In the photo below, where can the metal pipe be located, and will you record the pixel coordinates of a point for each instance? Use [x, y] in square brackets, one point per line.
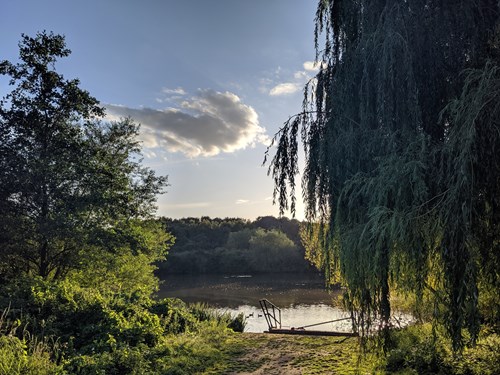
[318, 324]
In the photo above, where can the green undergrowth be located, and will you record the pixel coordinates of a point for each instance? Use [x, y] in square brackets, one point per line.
[420, 349]
[185, 353]
[64, 328]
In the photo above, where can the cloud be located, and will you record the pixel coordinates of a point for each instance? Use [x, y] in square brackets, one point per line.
[177, 91]
[170, 95]
[294, 82]
[285, 89]
[301, 75]
[206, 124]
[242, 201]
[311, 66]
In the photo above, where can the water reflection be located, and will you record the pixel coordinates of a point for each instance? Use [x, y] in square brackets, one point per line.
[296, 316]
[284, 290]
[302, 298]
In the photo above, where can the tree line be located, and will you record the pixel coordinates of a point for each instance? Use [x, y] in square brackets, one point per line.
[234, 246]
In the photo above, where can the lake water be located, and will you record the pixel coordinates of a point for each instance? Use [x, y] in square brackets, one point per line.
[303, 299]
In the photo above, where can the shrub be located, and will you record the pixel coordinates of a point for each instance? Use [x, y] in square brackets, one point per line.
[417, 348]
[174, 315]
[482, 359]
[203, 312]
[107, 333]
[238, 323]
[120, 361]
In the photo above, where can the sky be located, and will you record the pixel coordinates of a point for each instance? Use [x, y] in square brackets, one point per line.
[210, 82]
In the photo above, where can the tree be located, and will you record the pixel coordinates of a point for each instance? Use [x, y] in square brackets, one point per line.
[400, 130]
[272, 251]
[68, 181]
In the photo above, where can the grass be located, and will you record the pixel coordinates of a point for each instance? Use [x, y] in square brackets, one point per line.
[283, 354]
[24, 355]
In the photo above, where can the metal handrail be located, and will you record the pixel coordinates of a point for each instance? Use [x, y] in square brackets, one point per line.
[273, 321]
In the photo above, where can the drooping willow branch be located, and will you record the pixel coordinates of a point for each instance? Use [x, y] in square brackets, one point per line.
[402, 176]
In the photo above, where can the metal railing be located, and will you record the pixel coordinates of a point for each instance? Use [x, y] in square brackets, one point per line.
[272, 313]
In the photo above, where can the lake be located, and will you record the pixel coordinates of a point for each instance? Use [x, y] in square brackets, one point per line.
[303, 299]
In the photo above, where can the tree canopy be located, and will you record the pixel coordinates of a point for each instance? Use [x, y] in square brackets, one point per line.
[401, 133]
[69, 182]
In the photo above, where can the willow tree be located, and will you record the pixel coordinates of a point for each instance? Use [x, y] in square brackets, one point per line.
[401, 134]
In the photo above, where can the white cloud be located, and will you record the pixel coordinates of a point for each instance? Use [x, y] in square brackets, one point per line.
[285, 89]
[171, 95]
[206, 124]
[311, 66]
[242, 201]
[176, 91]
[301, 75]
[294, 82]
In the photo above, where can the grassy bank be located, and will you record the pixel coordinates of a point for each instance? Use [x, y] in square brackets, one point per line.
[209, 347]
[66, 327]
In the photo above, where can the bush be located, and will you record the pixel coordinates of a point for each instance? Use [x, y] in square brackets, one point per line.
[238, 323]
[174, 315]
[417, 350]
[482, 359]
[188, 354]
[85, 318]
[182, 353]
[113, 334]
[203, 312]
[120, 361]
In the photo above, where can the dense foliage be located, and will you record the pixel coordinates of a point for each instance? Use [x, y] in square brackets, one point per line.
[61, 327]
[401, 135]
[234, 246]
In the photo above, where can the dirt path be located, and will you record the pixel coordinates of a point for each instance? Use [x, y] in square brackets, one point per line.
[258, 353]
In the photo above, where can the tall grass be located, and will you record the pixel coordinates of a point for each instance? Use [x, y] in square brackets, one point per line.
[22, 353]
[204, 312]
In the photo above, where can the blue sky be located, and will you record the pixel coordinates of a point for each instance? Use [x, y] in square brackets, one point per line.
[210, 82]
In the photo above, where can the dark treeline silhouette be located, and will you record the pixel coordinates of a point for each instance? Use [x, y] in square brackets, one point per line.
[234, 245]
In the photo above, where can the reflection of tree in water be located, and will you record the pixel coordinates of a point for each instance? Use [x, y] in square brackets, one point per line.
[233, 291]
